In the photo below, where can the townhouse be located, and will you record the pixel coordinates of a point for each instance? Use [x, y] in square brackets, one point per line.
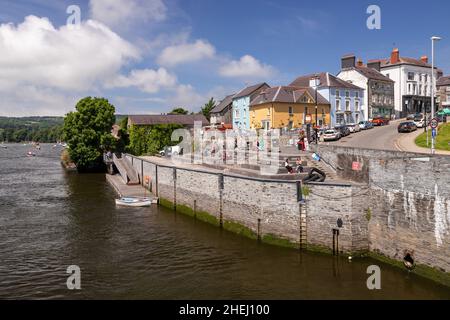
[346, 99]
[288, 107]
[241, 105]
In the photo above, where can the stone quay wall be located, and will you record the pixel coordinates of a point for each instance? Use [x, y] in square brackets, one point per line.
[409, 201]
[262, 208]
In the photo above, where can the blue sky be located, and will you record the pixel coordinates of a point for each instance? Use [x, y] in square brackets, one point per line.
[148, 56]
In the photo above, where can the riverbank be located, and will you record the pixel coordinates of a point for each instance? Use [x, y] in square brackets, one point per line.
[269, 210]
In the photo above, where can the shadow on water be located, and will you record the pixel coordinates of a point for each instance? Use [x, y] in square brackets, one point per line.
[155, 253]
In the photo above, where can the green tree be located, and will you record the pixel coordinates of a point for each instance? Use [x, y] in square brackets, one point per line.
[87, 132]
[206, 110]
[179, 111]
[151, 139]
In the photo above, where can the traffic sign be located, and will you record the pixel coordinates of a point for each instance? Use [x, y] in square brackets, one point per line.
[434, 123]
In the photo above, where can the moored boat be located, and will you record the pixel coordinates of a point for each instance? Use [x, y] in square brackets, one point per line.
[134, 202]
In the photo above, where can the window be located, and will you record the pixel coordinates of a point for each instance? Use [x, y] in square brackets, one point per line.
[236, 113]
[347, 105]
[268, 111]
[290, 124]
[337, 94]
[347, 94]
[291, 111]
[448, 97]
[356, 105]
[338, 105]
[356, 94]
[410, 75]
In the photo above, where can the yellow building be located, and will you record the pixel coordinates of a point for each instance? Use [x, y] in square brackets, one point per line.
[288, 107]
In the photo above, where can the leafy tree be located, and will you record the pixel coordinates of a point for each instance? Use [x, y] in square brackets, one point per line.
[206, 110]
[87, 132]
[151, 139]
[179, 111]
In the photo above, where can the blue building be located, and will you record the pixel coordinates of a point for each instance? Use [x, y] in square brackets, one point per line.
[241, 105]
[346, 99]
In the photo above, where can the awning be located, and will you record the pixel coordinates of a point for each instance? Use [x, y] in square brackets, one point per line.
[445, 112]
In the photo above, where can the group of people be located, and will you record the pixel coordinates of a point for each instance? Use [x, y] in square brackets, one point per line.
[299, 167]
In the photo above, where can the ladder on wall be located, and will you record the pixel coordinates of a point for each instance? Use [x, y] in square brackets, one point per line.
[303, 223]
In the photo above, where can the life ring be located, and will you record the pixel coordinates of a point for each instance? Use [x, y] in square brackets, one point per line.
[408, 260]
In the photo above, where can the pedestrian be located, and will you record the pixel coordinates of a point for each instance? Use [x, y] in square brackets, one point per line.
[299, 165]
[287, 166]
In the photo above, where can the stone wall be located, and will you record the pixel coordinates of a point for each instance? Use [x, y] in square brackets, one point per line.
[402, 204]
[409, 201]
[264, 208]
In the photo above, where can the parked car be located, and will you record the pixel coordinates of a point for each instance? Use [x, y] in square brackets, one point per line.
[407, 126]
[331, 135]
[353, 127]
[410, 117]
[343, 130]
[380, 121]
[365, 125]
[420, 123]
[169, 151]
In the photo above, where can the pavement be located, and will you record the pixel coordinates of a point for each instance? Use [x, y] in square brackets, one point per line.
[406, 142]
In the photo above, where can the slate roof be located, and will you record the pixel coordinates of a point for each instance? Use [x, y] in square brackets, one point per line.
[228, 100]
[443, 81]
[326, 80]
[371, 73]
[249, 90]
[286, 94]
[183, 119]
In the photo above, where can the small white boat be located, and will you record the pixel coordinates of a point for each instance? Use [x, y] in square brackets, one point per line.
[31, 154]
[3, 146]
[135, 202]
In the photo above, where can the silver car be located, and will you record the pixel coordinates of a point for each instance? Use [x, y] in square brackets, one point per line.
[353, 127]
[331, 134]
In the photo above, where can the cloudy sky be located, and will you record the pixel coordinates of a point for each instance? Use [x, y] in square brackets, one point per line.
[148, 56]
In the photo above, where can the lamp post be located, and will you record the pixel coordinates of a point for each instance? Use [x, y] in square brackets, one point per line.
[433, 39]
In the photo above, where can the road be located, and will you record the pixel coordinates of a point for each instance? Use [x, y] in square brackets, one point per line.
[383, 138]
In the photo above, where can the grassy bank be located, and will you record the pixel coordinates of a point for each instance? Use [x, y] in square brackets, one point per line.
[442, 139]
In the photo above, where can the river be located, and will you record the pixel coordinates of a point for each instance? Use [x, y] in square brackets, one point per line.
[51, 219]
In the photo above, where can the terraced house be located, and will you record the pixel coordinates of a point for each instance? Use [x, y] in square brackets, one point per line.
[241, 105]
[288, 107]
[379, 89]
[346, 99]
[412, 88]
[443, 92]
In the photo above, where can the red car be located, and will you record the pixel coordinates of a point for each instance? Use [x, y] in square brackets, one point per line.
[380, 121]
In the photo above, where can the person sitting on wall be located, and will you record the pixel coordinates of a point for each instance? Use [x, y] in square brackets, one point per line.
[299, 165]
[288, 167]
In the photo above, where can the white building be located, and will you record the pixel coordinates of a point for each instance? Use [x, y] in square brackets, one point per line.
[412, 89]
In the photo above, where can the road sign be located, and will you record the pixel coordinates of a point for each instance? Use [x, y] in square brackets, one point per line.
[434, 123]
[433, 132]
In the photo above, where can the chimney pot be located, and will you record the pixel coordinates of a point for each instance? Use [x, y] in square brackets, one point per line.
[360, 62]
[395, 56]
[424, 59]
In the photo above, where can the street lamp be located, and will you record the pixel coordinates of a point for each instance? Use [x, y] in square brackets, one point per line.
[433, 39]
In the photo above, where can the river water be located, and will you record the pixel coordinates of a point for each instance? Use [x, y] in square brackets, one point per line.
[51, 219]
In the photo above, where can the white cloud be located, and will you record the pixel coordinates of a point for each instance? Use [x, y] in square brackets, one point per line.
[123, 13]
[37, 53]
[186, 52]
[147, 80]
[246, 67]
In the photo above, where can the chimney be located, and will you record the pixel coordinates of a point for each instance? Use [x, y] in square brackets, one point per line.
[348, 61]
[312, 81]
[376, 64]
[424, 59]
[395, 56]
[360, 63]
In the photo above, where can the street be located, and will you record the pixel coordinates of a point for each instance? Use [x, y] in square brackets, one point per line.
[383, 138]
